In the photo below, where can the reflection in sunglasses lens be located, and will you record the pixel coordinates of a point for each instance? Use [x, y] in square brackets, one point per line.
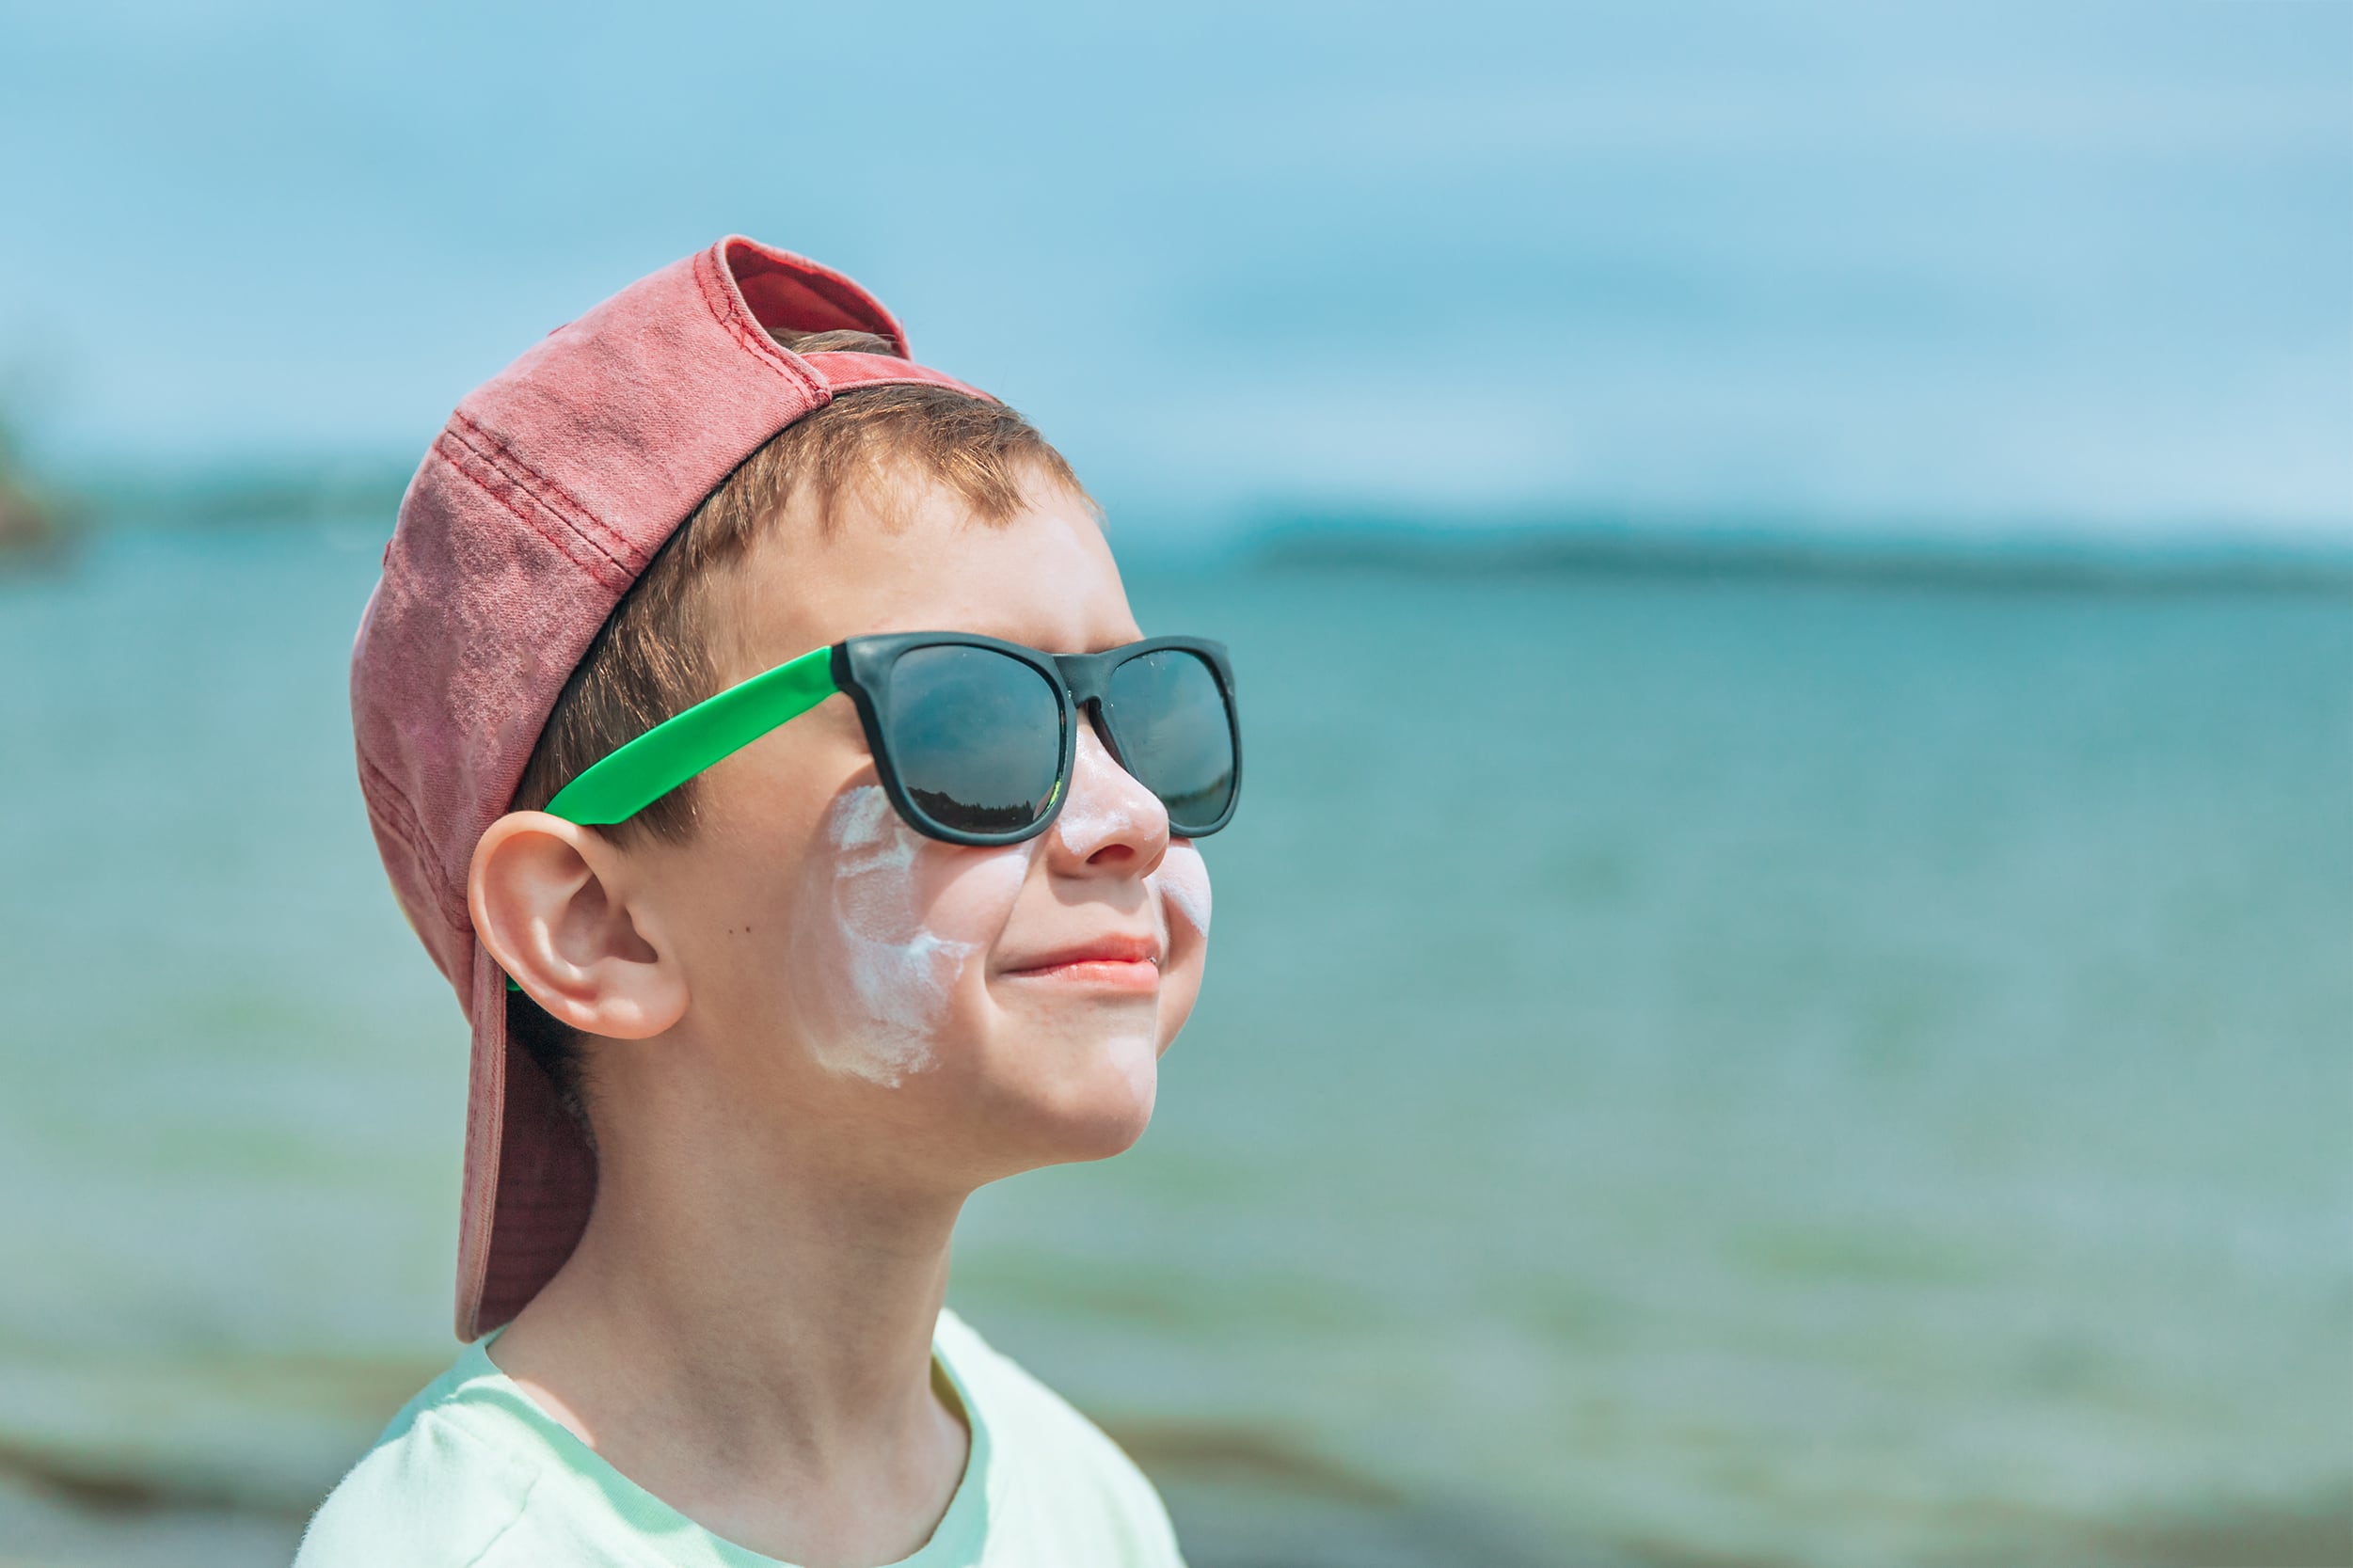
[1174, 735]
[977, 737]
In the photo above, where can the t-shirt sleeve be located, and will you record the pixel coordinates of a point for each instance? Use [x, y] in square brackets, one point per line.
[431, 1497]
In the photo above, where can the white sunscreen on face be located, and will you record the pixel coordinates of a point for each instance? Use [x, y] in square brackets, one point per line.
[1105, 805]
[1086, 825]
[900, 974]
[1182, 878]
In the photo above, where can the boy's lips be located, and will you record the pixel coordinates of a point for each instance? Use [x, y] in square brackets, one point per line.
[1117, 962]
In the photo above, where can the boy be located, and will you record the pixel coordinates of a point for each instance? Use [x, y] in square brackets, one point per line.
[726, 722]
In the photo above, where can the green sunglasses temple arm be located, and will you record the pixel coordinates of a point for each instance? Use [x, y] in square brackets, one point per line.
[621, 785]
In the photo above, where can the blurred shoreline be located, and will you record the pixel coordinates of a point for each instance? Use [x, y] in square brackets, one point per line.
[28, 521]
[2055, 556]
[2055, 559]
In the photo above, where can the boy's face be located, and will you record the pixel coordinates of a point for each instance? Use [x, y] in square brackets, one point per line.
[930, 1013]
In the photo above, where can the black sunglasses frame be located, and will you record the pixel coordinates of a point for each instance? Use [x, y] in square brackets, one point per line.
[1080, 682]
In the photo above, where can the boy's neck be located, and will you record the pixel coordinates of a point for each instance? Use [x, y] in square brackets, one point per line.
[751, 1341]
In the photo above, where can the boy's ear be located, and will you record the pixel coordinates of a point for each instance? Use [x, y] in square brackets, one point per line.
[546, 898]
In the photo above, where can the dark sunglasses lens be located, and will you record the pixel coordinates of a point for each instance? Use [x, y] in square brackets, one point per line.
[1174, 734]
[977, 737]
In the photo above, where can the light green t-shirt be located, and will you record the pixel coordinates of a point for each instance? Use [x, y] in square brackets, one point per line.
[473, 1474]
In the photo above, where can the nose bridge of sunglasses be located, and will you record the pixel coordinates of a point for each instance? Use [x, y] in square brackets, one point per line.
[1087, 678]
[1096, 717]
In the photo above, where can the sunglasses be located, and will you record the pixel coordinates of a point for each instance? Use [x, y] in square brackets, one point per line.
[973, 738]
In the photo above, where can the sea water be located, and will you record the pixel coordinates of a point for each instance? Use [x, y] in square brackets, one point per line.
[1690, 1070]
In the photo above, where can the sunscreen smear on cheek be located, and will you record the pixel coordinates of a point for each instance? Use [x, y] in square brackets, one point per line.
[890, 985]
[897, 973]
[1183, 879]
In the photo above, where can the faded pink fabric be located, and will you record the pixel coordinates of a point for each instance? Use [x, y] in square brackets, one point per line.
[542, 500]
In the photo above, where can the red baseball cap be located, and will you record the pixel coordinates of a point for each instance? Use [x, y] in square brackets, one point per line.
[539, 503]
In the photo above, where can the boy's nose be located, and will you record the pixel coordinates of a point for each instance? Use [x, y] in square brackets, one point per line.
[1110, 821]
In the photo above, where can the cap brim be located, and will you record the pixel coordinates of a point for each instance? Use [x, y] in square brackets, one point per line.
[530, 1174]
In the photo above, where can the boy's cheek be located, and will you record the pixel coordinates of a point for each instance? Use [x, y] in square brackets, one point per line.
[888, 941]
[1180, 988]
[968, 894]
[1182, 880]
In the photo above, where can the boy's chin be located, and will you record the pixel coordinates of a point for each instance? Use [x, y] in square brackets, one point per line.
[1090, 1104]
[1122, 1108]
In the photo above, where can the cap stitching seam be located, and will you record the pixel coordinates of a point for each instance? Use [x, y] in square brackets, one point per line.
[388, 798]
[601, 557]
[393, 804]
[506, 456]
[764, 349]
[595, 564]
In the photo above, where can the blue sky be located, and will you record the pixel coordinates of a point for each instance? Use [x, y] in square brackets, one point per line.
[2071, 268]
